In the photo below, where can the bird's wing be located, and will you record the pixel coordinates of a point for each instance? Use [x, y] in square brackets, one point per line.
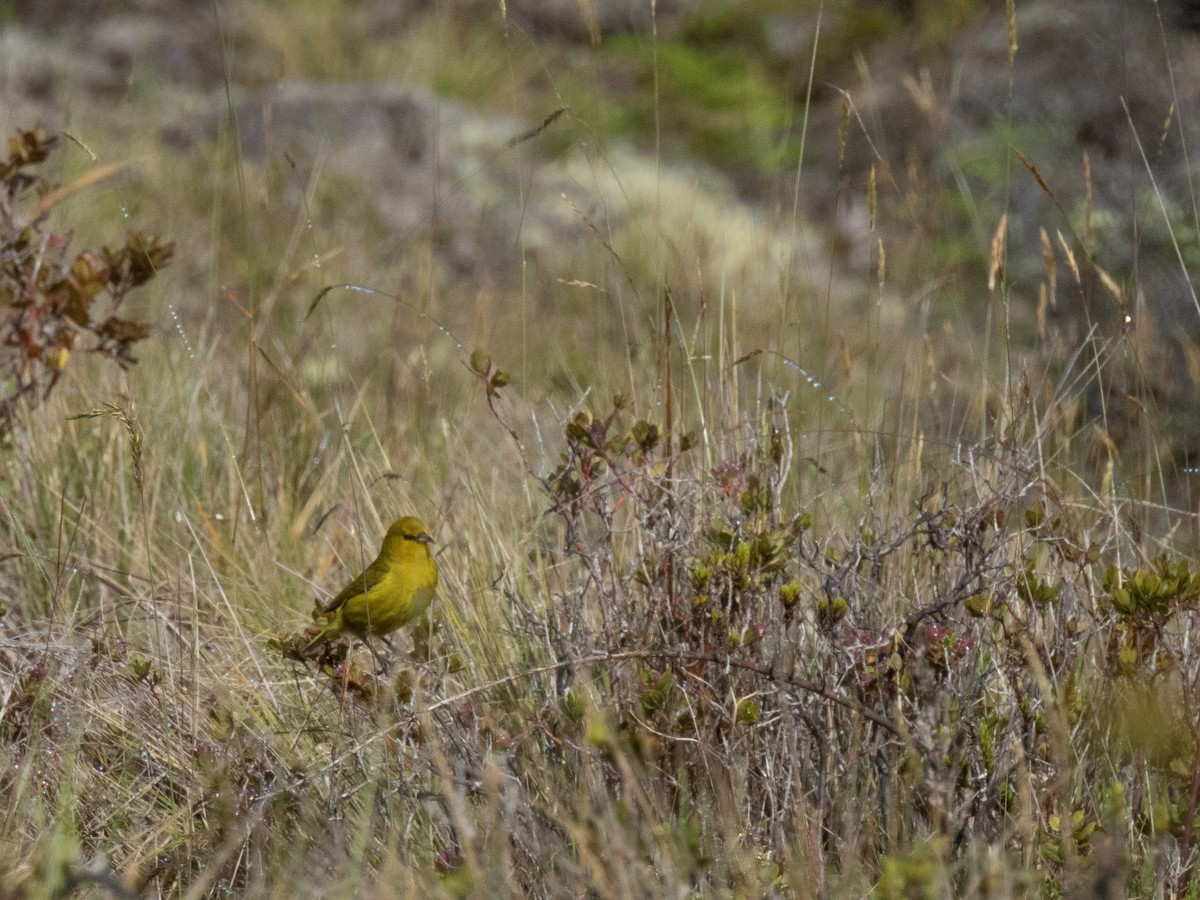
[360, 585]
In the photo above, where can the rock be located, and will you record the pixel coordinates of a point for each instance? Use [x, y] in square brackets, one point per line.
[590, 20]
[28, 63]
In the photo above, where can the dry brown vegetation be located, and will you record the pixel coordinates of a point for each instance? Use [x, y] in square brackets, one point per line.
[707, 626]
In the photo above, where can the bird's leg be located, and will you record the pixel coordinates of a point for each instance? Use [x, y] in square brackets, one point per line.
[383, 664]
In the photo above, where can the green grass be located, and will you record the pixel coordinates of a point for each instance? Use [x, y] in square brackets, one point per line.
[703, 629]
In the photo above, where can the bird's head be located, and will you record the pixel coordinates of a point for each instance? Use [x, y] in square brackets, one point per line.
[410, 528]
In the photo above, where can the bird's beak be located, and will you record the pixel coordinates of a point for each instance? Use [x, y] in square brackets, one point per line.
[424, 538]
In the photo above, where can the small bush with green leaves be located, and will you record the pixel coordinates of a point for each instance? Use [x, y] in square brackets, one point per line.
[940, 659]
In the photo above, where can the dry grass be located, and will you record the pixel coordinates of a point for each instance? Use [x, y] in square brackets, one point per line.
[722, 635]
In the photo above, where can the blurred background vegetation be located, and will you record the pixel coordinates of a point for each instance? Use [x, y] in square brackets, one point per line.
[804, 394]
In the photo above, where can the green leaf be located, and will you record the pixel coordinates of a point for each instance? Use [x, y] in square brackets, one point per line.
[645, 435]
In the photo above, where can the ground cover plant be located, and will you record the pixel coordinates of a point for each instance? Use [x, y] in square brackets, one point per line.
[751, 584]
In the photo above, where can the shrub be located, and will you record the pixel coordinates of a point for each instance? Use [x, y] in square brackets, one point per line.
[55, 302]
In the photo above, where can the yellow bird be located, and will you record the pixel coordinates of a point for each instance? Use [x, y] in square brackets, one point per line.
[394, 590]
